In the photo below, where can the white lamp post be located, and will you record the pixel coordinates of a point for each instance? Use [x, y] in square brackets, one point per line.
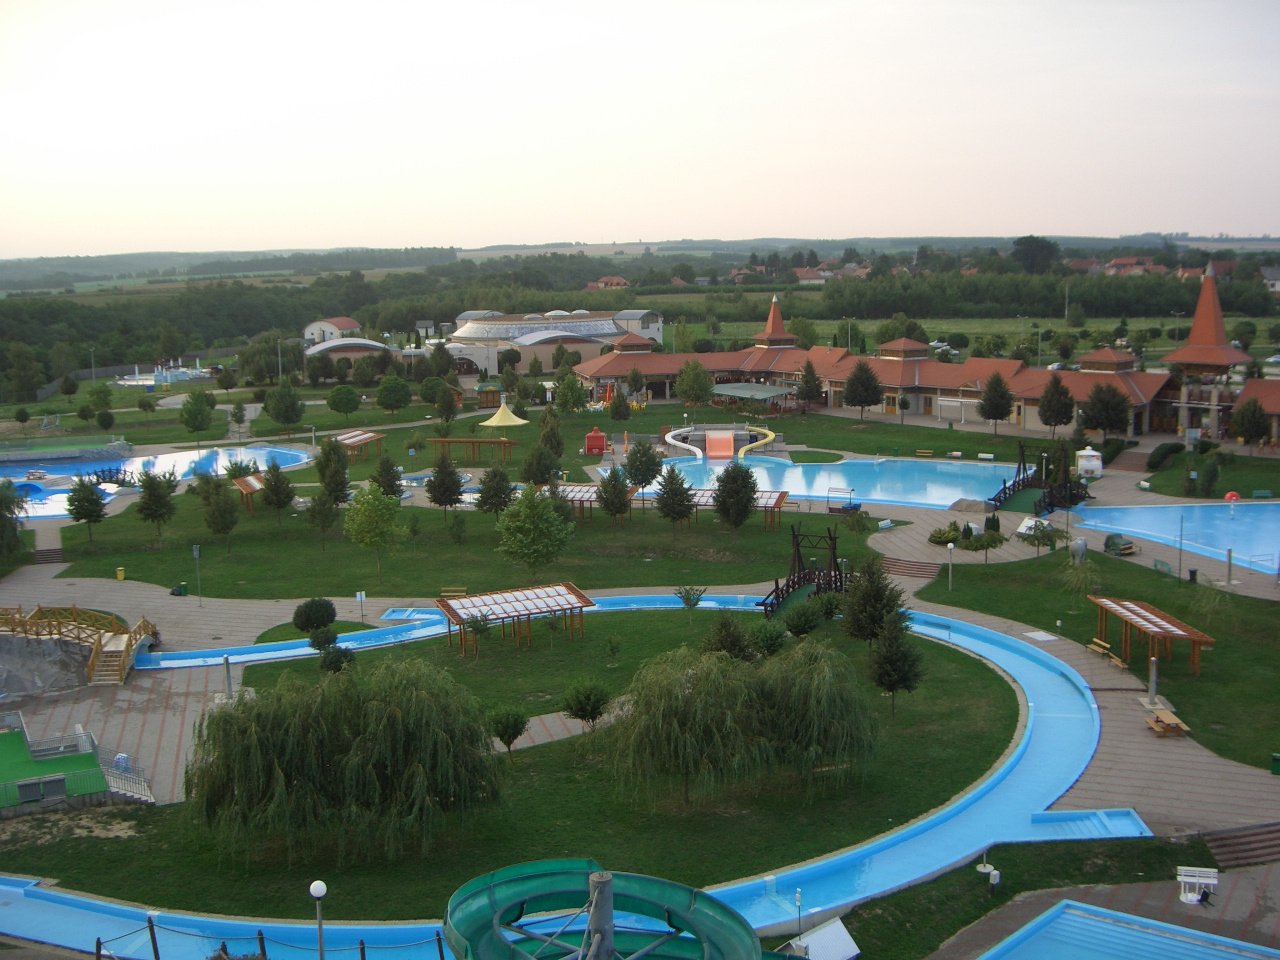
[951, 552]
[318, 890]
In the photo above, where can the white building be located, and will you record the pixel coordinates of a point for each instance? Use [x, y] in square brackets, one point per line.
[334, 328]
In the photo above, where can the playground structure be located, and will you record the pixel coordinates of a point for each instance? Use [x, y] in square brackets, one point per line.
[112, 653]
[662, 919]
[825, 578]
[475, 615]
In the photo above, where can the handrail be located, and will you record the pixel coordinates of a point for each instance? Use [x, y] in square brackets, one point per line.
[83, 626]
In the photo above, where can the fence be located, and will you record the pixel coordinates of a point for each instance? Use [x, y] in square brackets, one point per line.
[124, 369]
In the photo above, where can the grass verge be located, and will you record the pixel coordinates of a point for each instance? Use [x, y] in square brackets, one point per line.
[287, 631]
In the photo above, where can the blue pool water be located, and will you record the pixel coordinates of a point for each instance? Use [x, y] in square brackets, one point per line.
[905, 482]
[185, 463]
[1250, 530]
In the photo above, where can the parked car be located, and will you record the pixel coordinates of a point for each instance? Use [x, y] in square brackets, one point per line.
[1273, 359]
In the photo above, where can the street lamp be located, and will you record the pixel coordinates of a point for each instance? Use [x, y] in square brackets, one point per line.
[951, 552]
[318, 890]
[195, 553]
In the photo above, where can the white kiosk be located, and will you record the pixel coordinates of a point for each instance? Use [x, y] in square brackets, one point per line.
[1088, 464]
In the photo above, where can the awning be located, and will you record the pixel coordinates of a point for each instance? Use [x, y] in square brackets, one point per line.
[753, 391]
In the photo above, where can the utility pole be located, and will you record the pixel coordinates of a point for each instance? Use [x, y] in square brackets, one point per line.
[279, 364]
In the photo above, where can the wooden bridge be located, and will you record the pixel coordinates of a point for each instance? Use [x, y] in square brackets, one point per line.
[112, 648]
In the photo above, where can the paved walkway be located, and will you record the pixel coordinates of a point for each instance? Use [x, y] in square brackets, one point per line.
[1246, 907]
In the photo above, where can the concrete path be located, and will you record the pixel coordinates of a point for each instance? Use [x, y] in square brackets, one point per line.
[1246, 907]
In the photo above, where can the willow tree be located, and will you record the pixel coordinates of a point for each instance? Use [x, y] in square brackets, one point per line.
[357, 765]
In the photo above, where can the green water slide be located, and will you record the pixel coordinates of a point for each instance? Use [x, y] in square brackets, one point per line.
[563, 910]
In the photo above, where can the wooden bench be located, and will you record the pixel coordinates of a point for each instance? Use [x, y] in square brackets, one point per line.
[1194, 882]
[1099, 646]
[1262, 495]
[1118, 662]
[1160, 729]
[986, 456]
[452, 593]
[924, 453]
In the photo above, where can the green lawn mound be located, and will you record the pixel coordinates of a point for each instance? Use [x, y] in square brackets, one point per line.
[1024, 501]
[561, 800]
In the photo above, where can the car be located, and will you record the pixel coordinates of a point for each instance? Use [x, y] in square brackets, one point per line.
[1273, 359]
[1057, 366]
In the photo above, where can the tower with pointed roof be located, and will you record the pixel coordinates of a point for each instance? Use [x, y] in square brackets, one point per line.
[775, 334]
[1208, 353]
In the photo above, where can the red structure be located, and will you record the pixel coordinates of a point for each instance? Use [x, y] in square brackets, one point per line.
[595, 443]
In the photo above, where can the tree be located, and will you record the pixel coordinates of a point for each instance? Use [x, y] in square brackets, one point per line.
[508, 725]
[636, 384]
[675, 498]
[331, 467]
[1057, 408]
[371, 523]
[496, 491]
[22, 416]
[277, 489]
[540, 466]
[549, 434]
[284, 406]
[997, 401]
[69, 387]
[1107, 409]
[148, 405]
[100, 397]
[393, 394]
[570, 394]
[586, 701]
[364, 372]
[323, 515]
[155, 499]
[386, 477]
[106, 420]
[390, 755]
[1035, 254]
[613, 495]
[446, 405]
[84, 412]
[444, 486]
[690, 597]
[810, 388]
[804, 331]
[872, 600]
[735, 496]
[195, 414]
[619, 408]
[532, 531]
[694, 384]
[227, 379]
[237, 414]
[895, 663]
[1251, 423]
[221, 513]
[441, 360]
[642, 465]
[904, 404]
[86, 504]
[343, 400]
[24, 372]
[863, 389]
[13, 506]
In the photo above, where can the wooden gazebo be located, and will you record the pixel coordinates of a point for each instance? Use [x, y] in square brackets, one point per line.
[356, 442]
[1158, 627]
[515, 607]
[472, 448]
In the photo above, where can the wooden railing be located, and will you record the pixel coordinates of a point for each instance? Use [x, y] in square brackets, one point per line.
[89, 627]
[1007, 489]
[824, 581]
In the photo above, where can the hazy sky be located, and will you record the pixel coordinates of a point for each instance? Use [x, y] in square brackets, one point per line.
[133, 126]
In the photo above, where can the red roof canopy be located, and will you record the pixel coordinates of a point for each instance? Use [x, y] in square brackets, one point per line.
[1207, 344]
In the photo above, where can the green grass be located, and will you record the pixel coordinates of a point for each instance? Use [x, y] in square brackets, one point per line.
[287, 631]
[267, 561]
[136, 427]
[1232, 708]
[20, 559]
[915, 922]
[561, 800]
[322, 418]
[1241, 473]
[815, 456]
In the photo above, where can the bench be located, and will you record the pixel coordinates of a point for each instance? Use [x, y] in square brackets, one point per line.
[1144, 484]
[1118, 662]
[1195, 882]
[1099, 646]
[1159, 566]
[452, 593]
[956, 454]
[986, 456]
[885, 525]
[1262, 495]
[924, 453]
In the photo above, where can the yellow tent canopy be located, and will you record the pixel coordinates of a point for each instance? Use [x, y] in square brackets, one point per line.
[504, 418]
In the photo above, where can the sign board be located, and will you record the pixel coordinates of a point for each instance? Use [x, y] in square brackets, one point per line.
[360, 596]
[1192, 436]
[195, 551]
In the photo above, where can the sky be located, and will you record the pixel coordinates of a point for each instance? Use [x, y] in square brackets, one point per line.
[142, 126]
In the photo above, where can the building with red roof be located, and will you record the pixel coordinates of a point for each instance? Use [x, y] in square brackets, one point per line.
[1267, 393]
[334, 328]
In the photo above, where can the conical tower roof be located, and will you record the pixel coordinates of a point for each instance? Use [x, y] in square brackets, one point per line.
[1207, 349]
[775, 334]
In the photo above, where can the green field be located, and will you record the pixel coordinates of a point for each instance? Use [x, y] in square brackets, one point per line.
[1241, 472]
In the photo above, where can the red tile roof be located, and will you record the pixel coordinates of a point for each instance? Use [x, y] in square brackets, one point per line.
[774, 332]
[342, 323]
[1207, 344]
[1138, 387]
[1267, 392]
[902, 345]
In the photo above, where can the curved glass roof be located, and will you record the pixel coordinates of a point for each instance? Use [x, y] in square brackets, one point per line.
[511, 330]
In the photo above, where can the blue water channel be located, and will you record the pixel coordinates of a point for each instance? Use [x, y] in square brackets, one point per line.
[1010, 805]
[903, 482]
[1250, 530]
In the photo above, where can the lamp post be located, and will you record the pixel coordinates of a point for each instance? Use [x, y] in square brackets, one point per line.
[951, 552]
[195, 552]
[318, 890]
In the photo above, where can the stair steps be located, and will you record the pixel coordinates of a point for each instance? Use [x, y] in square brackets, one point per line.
[910, 568]
[107, 668]
[1245, 846]
[48, 555]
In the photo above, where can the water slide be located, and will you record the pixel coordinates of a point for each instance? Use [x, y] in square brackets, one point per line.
[719, 444]
[766, 439]
[671, 441]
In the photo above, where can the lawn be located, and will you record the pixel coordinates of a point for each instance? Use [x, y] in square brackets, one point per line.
[560, 800]
[287, 631]
[135, 426]
[322, 418]
[1241, 473]
[915, 922]
[1232, 708]
[22, 557]
[290, 560]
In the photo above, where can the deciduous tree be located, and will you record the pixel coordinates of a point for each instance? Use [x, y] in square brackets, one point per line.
[694, 383]
[284, 406]
[86, 504]
[1107, 409]
[221, 512]
[344, 400]
[323, 515]
[371, 523]
[195, 414]
[1251, 423]
[642, 465]
[532, 532]
[394, 394]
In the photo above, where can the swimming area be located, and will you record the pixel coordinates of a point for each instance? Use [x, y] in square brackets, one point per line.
[1249, 530]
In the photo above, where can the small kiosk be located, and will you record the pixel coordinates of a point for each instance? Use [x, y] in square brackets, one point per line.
[1088, 464]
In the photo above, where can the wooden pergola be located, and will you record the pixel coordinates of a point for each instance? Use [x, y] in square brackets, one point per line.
[1158, 627]
[357, 442]
[248, 486]
[516, 607]
[585, 496]
[473, 446]
[768, 502]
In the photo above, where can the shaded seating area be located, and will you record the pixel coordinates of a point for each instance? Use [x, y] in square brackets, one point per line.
[248, 487]
[584, 496]
[472, 448]
[357, 443]
[768, 502]
[1145, 621]
[516, 608]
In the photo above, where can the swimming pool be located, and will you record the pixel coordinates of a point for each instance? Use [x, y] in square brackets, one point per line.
[185, 463]
[1249, 530]
[903, 482]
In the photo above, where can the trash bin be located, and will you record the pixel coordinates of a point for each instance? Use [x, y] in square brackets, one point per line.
[1275, 764]
[182, 589]
[119, 573]
[1191, 575]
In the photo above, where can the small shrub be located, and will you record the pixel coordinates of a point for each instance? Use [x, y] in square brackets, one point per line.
[1112, 447]
[728, 635]
[457, 528]
[801, 619]
[860, 522]
[1161, 454]
[260, 395]
[992, 522]
[768, 636]
[966, 533]
[313, 614]
[586, 701]
[941, 536]
[334, 658]
[1203, 446]
[322, 638]
[829, 603]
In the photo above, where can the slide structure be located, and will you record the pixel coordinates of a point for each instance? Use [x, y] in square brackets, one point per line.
[719, 444]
